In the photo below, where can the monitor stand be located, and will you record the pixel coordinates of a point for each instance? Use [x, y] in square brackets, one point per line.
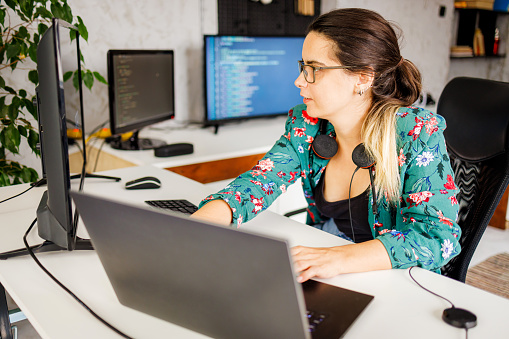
[47, 246]
[135, 143]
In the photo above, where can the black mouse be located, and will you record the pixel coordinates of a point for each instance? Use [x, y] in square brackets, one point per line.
[143, 183]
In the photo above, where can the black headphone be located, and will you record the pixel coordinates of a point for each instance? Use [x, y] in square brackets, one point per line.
[325, 147]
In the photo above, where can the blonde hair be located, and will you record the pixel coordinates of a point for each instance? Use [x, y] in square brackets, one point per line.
[379, 136]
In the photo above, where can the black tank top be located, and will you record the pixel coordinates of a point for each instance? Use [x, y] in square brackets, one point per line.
[338, 210]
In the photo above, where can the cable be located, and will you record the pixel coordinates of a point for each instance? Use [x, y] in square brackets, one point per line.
[98, 155]
[453, 316]
[64, 287]
[28, 189]
[349, 196]
[424, 288]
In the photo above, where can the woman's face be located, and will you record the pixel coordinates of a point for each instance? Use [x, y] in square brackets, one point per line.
[334, 90]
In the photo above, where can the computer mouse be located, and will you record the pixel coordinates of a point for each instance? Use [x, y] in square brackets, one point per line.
[143, 183]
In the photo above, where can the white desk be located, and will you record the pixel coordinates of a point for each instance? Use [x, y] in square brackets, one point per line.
[234, 149]
[400, 309]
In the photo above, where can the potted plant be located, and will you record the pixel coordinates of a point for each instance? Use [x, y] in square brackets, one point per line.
[23, 22]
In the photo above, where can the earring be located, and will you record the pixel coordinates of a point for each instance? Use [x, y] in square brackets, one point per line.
[362, 91]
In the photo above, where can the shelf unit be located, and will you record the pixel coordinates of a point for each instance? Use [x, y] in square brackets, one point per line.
[486, 20]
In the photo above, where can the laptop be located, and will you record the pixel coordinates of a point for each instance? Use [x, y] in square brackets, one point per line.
[218, 281]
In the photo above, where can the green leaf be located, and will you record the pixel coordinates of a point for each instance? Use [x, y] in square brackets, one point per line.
[11, 4]
[11, 138]
[32, 51]
[88, 79]
[67, 75]
[66, 10]
[3, 108]
[22, 130]
[82, 29]
[29, 104]
[42, 12]
[10, 90]
[42, 28]
[13, 50]
[23, 33]
[33, 76]
[33, 140]
[2, 16]
[100, 78]
[27, 8]
[2, 82]
[33, 175]
[14, 108]
[26, 175]
[22, 93]
[76, 80]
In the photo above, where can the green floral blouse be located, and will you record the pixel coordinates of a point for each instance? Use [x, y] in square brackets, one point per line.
[419, 231]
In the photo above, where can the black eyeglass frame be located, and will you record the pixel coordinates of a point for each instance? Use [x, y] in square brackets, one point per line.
[314, 68]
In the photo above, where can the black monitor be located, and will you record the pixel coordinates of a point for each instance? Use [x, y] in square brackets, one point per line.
[250, 77]
[58, 58]
[141, 93]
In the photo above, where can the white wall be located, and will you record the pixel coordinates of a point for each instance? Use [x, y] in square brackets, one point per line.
[148, 24]
[426, 36]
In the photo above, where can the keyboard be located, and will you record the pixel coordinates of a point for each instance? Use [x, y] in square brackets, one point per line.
[314, 319]
[179, 205]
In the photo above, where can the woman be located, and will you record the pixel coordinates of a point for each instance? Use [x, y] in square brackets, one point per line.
[359, 88]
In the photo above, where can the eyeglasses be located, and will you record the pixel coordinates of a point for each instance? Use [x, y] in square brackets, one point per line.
[306, 69]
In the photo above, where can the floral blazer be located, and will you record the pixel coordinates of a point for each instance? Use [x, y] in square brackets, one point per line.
[420, 230]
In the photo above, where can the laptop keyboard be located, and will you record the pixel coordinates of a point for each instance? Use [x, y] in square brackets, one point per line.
[179, 205]
[315, 319]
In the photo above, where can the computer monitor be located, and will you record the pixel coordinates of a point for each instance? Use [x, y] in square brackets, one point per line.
[58, 60]
[250, 76]
[141, 93]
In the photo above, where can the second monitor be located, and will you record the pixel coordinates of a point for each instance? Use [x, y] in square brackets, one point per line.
[141, 93]
[248, 76]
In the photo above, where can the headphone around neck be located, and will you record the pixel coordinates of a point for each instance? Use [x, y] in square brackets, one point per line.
[325, 147]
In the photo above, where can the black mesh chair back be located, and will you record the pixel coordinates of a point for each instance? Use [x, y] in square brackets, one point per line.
[477, 116]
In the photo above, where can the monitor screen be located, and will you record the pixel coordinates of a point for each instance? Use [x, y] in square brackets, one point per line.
[248, 77]
[57, 100]
[141, 90]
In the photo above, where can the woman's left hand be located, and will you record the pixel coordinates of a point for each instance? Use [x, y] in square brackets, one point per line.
[316, 262]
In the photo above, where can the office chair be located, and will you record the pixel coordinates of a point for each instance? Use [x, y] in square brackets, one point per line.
[477, 139]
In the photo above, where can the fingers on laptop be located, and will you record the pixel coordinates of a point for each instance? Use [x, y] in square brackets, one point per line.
[315, 262]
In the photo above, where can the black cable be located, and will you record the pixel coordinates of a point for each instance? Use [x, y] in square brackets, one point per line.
[438, 295]
[65, 288]
[349, 196]
[98, 155]
[424, 288]
[28, 189]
